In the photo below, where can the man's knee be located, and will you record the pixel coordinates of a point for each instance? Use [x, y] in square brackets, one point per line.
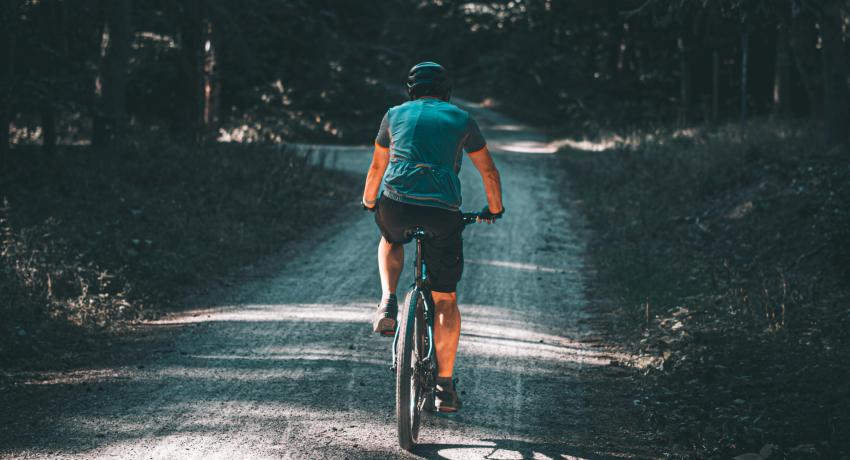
[385, 242]
[445, 299]
[443, 295]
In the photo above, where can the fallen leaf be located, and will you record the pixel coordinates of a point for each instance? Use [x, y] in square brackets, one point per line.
[805, 449]
[750, 456]
[681, 311]
[765, 452]
[740, 211]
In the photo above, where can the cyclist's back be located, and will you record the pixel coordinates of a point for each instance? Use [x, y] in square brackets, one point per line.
[426, 138]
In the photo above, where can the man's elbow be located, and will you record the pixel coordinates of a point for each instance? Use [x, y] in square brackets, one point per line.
[378, 166]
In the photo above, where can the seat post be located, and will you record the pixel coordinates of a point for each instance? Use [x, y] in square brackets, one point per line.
[419, 271]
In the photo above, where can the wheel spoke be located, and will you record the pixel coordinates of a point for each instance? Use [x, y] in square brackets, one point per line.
[408, 383]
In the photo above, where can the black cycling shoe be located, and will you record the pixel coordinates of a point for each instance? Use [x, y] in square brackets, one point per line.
[445, 398]
[385, 317]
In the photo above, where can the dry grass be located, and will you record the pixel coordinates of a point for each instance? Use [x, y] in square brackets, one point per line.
[725, 254]
[93, 241]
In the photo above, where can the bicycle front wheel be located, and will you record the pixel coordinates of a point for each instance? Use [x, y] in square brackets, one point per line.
[408, 389]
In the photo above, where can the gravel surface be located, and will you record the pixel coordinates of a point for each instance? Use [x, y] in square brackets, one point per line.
[284, 365]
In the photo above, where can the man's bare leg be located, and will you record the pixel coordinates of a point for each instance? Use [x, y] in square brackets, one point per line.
[446, 331]
[447, 321]
[390, 263]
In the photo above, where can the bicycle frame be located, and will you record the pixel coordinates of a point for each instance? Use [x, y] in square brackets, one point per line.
[421, 289]
[415, 370]
[420, 279]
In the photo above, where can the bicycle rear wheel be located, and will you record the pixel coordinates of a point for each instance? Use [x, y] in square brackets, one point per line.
[408, 386]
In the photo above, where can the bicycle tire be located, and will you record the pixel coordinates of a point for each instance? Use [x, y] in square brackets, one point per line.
[420, 348]
[429, 371]
[405, 377]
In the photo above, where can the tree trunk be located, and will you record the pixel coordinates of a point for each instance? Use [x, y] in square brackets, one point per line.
[48, 64]
[191, 86]
[111, 118]
[590, 61]
[118, 59]
[685, 89]
[715, 86]
[48, 127]
[7, 96]
[802, 39]
[98, 135]
[212, 88]
[745, 57]
[835, 95]
[782, 74]
[613, 40]
[761, 66]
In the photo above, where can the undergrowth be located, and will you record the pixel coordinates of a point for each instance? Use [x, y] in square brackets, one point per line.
[724, 267]
[92, 241]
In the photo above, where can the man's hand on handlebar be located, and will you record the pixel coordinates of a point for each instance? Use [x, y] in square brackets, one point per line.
[489, 217]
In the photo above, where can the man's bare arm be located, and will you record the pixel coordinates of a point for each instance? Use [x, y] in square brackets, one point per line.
[380, 160]
[483, 161]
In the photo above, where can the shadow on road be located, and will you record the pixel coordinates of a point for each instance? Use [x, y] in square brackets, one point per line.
[283, 376]
[513, 449]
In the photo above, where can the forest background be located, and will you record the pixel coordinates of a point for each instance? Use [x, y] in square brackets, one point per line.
[147, 150]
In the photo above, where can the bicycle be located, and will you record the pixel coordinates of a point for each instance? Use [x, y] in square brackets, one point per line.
[416, 369]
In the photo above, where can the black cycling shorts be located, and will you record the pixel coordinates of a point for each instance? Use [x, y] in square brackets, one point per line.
[442, 249]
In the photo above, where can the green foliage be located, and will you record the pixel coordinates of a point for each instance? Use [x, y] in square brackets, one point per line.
[326, 70]
[44, 280]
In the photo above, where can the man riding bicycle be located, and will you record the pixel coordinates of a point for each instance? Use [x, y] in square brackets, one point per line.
[413, 182]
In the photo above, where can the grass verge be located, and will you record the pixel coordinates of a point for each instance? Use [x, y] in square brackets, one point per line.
[723, 261]
[92, 241]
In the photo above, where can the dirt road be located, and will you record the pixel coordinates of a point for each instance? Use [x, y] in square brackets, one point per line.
[285, 365]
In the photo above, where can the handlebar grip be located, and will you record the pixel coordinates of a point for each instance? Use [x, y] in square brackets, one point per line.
[470, 217]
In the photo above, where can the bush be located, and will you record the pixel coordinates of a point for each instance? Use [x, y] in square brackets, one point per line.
[726, 254]
[93, 239]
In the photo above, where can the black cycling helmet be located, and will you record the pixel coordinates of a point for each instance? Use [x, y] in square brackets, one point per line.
[428, 79]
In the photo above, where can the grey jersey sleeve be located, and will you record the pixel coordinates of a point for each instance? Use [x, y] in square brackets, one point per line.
[383, 138]
[474, 139]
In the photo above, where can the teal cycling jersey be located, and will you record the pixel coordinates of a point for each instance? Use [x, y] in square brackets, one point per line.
[426, 138]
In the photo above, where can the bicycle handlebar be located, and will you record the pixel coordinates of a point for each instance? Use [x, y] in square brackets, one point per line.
[470, 218]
